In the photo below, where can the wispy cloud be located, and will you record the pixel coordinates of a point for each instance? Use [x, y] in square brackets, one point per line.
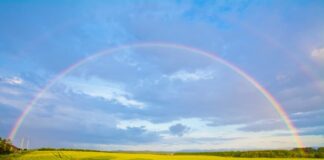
[12, 80]
[112, 92]
[183, 75]
[318, 55]
[264, 125]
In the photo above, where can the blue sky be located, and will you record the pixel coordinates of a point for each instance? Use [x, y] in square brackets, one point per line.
[162, 98]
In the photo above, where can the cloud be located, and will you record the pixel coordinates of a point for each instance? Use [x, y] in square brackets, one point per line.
[185, 76]
[178, 129]
[10, 90]
[308, 119]
[308, 113]
[307, 123]
[99, 135]
[12, 80]
[301, 97]
[75, 124]
[319, 130]
[99, 88]
[318, 55]
[264, 125]
[15, 95]
[127, 101]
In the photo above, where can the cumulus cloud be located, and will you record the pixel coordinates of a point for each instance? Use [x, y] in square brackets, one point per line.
[178, 129]
[196, 75]
[318, 55]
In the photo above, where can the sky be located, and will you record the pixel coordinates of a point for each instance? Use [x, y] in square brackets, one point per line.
[162, 98]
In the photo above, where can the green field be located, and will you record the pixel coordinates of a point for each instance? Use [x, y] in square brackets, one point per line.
[82, 155]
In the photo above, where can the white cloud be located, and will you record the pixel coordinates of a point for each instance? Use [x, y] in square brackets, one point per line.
[318, 55]
[110, 91]
[13, 80]
[308, 112]
[184, 75]
[128, 102]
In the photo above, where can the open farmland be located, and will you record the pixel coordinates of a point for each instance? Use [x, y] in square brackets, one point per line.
[82, 155]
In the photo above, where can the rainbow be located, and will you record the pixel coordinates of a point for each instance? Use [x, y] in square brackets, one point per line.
[278, 108]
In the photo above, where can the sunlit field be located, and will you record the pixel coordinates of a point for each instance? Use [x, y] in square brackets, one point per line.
[79, 155]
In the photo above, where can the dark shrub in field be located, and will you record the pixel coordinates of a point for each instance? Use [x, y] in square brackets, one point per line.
[6, 147]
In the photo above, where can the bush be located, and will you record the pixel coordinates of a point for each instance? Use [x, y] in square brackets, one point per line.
[6, 147]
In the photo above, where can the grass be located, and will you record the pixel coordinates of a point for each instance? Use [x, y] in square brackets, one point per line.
[77, 155]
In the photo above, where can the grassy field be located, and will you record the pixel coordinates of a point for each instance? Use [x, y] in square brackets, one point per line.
[77, 155]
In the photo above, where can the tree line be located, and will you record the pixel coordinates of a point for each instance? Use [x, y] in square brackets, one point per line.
[307, 152]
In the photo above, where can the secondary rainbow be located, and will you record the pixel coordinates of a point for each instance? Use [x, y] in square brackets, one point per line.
[278, 108]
